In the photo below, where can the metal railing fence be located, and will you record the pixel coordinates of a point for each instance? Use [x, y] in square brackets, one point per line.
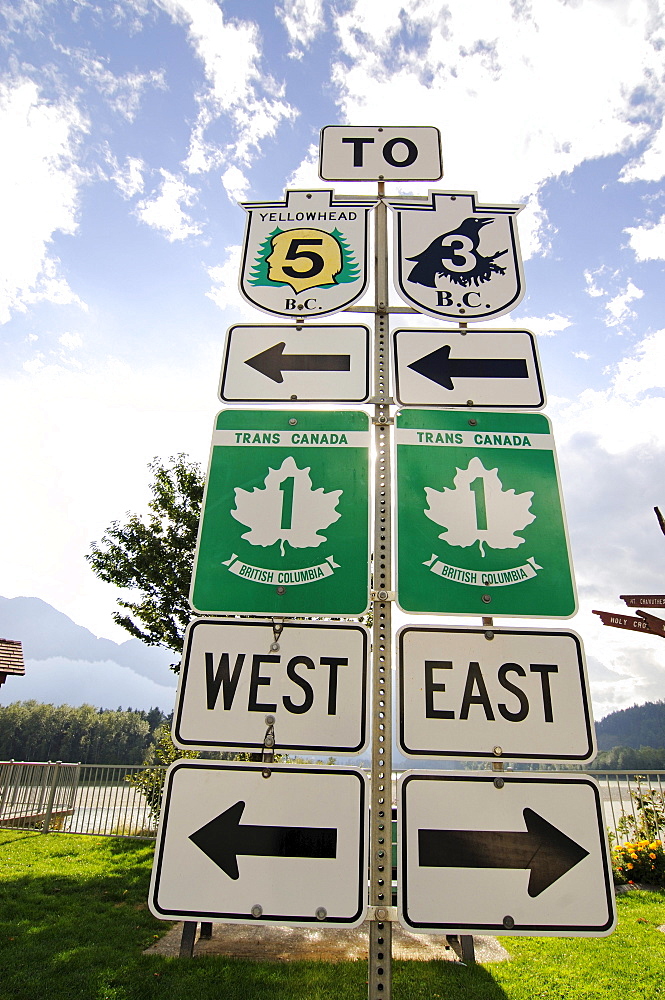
[122, 800]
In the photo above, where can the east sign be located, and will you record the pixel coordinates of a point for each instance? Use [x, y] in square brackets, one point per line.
[488, 692]
[480, 523]
[310, 679]
[285, 522]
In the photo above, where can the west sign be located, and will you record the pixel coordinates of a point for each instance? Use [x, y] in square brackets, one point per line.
[309, 678]
[488, 692]
[456, 259]
[306, 255]
[480, 523]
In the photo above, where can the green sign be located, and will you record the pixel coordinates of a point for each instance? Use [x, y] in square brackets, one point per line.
[480, 523]
[285, 523]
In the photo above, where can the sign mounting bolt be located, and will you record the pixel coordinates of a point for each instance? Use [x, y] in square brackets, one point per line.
[321, 913]
[257, 910]
[486, 598]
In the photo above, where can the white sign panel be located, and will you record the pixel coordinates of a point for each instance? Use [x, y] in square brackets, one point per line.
[265, 364]
[456, 259]
[358, 153]
[497, 368]
[305, 255]
[490, 854]
[237, 846]
[503, 693]
[310, 679]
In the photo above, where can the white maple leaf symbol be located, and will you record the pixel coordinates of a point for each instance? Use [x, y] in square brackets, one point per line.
[477, 509]
[287, 509]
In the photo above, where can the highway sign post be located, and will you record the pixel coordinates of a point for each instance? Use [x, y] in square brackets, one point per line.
[456, 259]
[490, 854]
[285, 520]
[473, 487]
[246, 844]
[497, 368]
[306, 255]
[309, 678]
[265, 364]
[360, 153]
[493, 693]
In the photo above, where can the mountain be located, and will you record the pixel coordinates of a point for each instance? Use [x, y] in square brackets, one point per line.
[637, 726]
[46, 633]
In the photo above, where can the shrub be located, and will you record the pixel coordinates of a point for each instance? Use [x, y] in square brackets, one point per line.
[639, 861]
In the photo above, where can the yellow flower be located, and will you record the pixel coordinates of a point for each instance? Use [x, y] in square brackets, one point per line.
[629, 865]
[653, 857]
[634, 856]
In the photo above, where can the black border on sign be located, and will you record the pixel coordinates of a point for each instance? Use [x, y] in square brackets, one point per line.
[296, 747]
[377, 178]
[420, 753]
[465, 405]
[289, 399]
[580, 930]
[283, 918]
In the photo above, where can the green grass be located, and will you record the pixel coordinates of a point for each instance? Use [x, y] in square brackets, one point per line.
[74, 923]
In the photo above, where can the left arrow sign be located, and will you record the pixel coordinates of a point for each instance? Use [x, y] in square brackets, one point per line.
[272, 362]
[439, 367]
[223, 839]
[542, 848]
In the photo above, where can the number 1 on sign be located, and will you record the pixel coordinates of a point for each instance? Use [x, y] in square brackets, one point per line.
[478, 488]
[286, 486]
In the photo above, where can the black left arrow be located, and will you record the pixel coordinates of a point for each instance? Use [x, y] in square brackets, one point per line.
[542, 848]
[439, 367]
[272, 362]
[223, 839]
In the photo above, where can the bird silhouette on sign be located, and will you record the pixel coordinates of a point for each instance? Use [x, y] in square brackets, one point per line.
[455, 256]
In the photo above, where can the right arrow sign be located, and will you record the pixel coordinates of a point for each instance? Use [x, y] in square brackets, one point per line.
[503, 854]
[497, 368]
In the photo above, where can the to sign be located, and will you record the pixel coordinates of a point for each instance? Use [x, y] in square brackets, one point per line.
[238, 847]
[513, 695]
[483, 854]
[307, 364]
[455, 259]
[496, 368]
[472, 488]
[284, 528]
[307, 255]
[357, 153]
[311, 678]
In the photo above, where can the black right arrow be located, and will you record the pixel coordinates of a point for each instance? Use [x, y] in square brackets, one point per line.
[439, 367]
[546, 851]
[222, 839]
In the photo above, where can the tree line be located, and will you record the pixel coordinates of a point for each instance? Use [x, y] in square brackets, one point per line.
[31, 730]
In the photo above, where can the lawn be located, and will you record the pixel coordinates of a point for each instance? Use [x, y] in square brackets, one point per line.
[74, 923]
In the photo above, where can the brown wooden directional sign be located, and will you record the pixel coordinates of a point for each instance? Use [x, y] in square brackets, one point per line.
[656, 625]
[643, 600]
[623, 621]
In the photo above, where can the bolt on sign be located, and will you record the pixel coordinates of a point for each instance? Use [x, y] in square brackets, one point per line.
[455, 259]
[360, 153]
[306, 255]
[285, 522]
[481, 527]
[310, 677]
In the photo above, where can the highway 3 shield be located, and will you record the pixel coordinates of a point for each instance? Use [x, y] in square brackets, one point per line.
[360, 153]
[480, 522]
[456, 259]
[497, 368]
[242, 843]
[503, 854]
[488, 692]
[306, 255]
[265, 364]
[284, 528]
[310, 678]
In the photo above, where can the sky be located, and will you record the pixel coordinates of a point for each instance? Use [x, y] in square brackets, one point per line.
[130, 129]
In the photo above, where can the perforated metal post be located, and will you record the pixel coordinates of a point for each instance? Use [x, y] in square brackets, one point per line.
[380, 897]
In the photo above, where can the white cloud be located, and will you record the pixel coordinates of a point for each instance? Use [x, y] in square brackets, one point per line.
[303, 20]
[648, 242]
[239, 86]
[591, 278]
[235, 184]
[582, 355]
[165, 212]
[39, 193]
[542, 326]
[650, 166]
[128, 178]
[70, 341]
[122, 93]
[618, 309]
[60, 681]
[225, 293]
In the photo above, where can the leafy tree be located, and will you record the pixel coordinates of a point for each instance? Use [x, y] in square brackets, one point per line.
[153, 557]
